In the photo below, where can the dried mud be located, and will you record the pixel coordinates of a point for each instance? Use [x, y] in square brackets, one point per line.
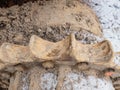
[17, 26]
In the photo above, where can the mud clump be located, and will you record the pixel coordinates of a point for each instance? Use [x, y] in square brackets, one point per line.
[19, 23]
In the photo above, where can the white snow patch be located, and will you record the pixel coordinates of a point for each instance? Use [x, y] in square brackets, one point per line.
[75, 81]
[117, 59]
[108, 12]
[25, 81]
[48, 81]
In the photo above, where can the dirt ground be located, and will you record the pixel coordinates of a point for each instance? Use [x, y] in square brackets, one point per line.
[17, 26]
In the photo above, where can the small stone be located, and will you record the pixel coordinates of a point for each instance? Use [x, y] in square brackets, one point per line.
[2, 25]
[48, 64]
[79, 36]
[18, 37]
[83, 66]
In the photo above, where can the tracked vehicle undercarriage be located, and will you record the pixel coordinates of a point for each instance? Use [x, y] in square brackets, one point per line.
[54, 38]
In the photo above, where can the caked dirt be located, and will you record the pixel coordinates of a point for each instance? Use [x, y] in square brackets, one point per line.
[51, 20]
[17, 25]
